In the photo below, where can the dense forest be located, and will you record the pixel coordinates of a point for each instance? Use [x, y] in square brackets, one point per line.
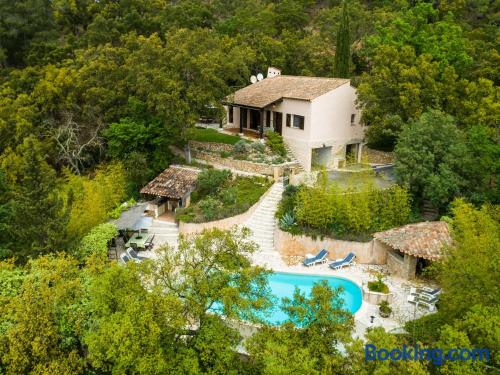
[93, 93]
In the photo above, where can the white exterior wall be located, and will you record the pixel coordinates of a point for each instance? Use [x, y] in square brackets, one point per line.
[327, 124]
[331, 119]
[297, 139]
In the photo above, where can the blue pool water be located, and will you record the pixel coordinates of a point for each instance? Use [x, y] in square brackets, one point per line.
[283, 285]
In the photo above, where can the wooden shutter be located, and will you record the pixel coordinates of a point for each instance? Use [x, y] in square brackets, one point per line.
[288, 120]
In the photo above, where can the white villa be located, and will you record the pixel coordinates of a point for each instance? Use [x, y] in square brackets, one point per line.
[317, 117]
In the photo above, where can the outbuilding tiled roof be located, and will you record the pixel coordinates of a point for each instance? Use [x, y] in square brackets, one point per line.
[423, 240]
[173, 182]
[273, 89]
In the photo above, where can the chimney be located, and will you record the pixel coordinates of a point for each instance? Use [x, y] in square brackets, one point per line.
[273, 72]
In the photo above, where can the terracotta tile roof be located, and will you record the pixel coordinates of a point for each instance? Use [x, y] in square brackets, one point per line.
[424, 240]
[173, 182]
[270, 90]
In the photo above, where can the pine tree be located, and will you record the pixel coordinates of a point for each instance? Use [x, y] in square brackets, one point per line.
[343, 48]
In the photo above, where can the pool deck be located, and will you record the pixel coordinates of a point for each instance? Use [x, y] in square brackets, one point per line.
[360, 274]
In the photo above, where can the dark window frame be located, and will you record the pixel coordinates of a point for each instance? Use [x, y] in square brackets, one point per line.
[288, 120]
[353, 119]
[268, 119]
[230, 112]
[301, 121]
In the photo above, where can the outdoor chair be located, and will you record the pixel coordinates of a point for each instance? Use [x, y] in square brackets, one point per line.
[423, 300]
[318, 258]
[149, 242]
[133, 255]
[134, 246]
[124, 258]
[339, 263]
[433, 292]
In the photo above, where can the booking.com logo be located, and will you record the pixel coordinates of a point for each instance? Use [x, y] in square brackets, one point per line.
[435, 355]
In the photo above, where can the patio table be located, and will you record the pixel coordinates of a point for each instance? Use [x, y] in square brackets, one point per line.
[139, 238]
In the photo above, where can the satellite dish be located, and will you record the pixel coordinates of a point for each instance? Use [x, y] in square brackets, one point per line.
[253, 79]
[260, 77]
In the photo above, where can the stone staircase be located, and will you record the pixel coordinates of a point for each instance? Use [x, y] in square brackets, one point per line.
[290, 153]
[164, 232]
[262, 224]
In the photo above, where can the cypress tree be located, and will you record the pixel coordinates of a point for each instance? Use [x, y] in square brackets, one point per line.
[343, 47]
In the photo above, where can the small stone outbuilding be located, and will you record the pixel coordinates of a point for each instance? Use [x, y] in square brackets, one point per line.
[172, 189]
[411, 247]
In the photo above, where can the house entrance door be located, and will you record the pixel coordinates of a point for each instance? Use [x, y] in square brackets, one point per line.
[254, 119]
[277, 122]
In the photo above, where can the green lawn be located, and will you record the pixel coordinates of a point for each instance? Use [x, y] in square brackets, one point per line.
[211, 135]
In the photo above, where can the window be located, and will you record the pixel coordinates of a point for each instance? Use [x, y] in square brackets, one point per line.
[288, 119]
[268, 119]
[230, 114]
[298, 121]
[353, 119]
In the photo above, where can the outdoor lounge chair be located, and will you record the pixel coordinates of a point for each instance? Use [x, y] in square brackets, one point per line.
[347, 261]
[434, 292]
[423, 300]
[319, 258]
[133, 255]
[124, 258]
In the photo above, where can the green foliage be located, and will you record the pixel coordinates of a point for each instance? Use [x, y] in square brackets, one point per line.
[425, 329]
[378, 285]
[219, 196]
[257, 146]
[39, 216]
[97, 241]
[469, 273]
[211, 135]
[307, 342]
[275, 143]
[94, 198]
[240, 149]
[343, 46]
[210, 208]
[431, 158]
[210, 180]
[384, 308]
[356, 212]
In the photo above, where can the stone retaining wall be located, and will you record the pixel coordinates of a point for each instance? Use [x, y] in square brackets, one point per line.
[289, 245]
[377, 157]
[211, 146]
[244, 165]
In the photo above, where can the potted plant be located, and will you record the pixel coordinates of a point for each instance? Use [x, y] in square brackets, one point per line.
[384, 309]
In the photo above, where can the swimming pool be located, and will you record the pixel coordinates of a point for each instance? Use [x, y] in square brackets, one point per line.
[283, 285]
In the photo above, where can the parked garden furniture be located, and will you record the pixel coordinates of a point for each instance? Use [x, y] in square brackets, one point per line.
[347, 261]
[319, 258]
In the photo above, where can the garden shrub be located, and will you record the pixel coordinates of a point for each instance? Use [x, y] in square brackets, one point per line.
[378, 285]
[348, 213]
[259, 147]
[275, 143]
[210, 180]
[225, 154]
[210, 207]
[240, 148]
[96, 241]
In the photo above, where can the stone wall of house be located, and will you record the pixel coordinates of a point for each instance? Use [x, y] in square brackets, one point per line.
[244, 165]
[376, 156]
[290, 245]
[403, 267]
[211, 146]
